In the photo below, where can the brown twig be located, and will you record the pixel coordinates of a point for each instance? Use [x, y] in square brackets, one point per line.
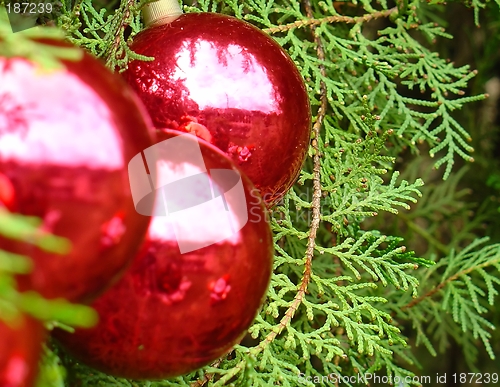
[316, 202]
[207, 377]
[311, 22]
[316, 129]
[113, 52]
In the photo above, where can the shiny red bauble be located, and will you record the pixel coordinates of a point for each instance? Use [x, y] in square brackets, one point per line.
[66, 137]
[20, 347]
[232, 85]
[199, 279]
[6, 192]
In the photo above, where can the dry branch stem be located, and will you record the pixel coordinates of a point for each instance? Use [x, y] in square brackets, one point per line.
[124, 22]
[316, 203]
[311, 22]
[207, 377]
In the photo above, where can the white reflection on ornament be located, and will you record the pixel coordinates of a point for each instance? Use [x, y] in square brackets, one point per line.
[241, 83]
[82, 135]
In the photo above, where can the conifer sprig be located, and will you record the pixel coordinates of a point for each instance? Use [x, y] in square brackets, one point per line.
[468, 284]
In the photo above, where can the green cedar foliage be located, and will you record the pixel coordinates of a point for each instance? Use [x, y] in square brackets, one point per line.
[374, 271]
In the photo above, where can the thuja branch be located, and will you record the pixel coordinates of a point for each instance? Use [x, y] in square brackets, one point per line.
[115, 51]
[207, 376]
[316, 200]
[454, 277]
[311, 22]
[316, 132]
[70, 22]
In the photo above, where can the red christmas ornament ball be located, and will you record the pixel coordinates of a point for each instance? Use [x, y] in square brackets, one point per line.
[66, 137]
[20, 346]
[199, 279]
[6, 192]
[232, 85]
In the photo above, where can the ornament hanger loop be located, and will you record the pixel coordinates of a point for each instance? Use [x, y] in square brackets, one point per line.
[161, 12]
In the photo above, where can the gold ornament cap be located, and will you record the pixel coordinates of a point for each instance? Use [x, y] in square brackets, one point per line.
[161, 12]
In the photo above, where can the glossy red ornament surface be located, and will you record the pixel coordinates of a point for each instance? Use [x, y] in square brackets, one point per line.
[174, 312]
[20, 346]
[66, 137]
[6, 192]
[232, 85]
